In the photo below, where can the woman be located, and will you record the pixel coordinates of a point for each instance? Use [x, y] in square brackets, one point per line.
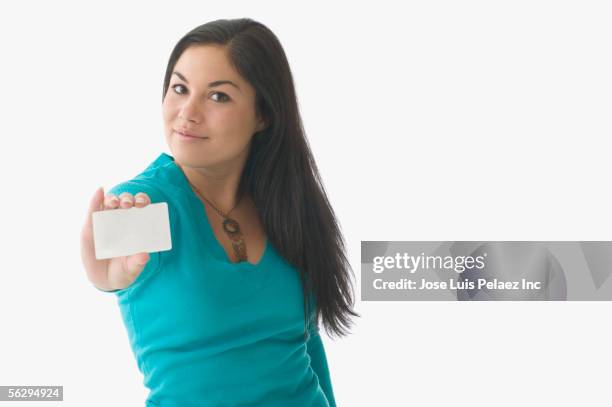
[229, 316]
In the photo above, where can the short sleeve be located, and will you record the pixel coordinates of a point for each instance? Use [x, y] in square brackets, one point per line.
[155, 259]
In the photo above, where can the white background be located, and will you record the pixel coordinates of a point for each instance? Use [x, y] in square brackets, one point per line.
[430, 120]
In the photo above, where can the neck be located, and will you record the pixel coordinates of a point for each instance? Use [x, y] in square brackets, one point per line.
[218, 185]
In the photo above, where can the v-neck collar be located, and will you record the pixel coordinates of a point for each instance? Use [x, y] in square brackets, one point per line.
[179, 179]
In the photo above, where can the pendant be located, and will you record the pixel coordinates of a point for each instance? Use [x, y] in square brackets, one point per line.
[240, 250]
[231, 227]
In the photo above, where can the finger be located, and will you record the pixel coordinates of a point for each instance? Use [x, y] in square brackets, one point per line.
[126, 200]
[141, 199]
[111, 202]
[88, 254]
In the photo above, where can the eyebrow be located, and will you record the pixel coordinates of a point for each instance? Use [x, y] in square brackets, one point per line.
[211, 84]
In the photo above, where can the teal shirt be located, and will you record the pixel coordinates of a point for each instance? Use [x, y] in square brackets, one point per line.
[209, 332]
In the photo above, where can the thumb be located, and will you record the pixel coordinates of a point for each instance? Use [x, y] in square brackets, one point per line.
[96, 203]
[136, 262]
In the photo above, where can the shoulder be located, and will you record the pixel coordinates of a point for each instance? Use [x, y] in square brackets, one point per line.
[153, 180]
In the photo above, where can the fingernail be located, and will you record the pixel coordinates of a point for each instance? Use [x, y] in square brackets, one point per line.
[140, 199]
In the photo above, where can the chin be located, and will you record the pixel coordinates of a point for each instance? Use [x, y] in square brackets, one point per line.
[189, 157]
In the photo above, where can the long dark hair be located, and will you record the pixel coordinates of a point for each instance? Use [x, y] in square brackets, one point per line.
[280, 172]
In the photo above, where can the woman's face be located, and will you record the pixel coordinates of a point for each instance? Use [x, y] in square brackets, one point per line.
[223, 115]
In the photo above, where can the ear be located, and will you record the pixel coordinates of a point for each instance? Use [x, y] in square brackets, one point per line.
[261, 125]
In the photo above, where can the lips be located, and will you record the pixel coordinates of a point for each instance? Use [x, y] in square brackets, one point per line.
[186, 133]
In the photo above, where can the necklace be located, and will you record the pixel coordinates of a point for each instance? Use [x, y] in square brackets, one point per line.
[230, 226]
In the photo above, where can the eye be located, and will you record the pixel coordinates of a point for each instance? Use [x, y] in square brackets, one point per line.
[224, 97]
[175, 86]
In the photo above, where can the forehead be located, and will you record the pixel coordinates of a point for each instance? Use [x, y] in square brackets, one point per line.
[201, 64]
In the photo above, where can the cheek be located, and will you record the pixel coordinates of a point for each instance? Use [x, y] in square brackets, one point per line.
[238, 122]
[168, 110]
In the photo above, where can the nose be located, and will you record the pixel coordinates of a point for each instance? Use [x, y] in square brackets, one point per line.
[189, 111]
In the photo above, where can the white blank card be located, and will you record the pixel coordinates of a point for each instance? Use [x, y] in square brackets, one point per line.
[122, 232]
